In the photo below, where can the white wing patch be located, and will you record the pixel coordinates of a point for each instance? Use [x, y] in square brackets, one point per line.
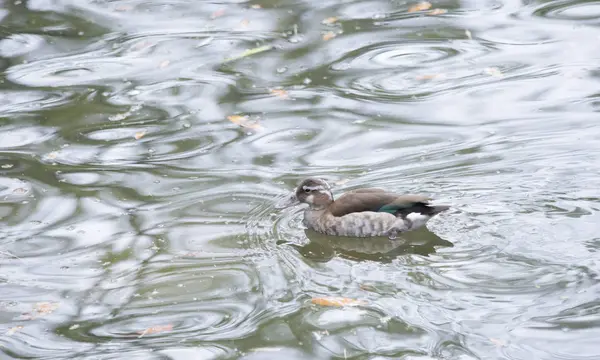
[417, 219]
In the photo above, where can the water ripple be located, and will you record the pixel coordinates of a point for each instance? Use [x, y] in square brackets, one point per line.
[137, 220]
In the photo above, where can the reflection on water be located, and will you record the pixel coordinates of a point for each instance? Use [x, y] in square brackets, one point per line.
[375, 249]
[137, 221]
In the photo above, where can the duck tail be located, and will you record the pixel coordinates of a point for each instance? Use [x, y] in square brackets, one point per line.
[434, 210]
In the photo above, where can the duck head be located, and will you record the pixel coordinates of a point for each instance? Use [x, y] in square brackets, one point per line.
[312, 191]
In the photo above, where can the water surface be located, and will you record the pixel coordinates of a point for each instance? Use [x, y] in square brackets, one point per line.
[137, 215]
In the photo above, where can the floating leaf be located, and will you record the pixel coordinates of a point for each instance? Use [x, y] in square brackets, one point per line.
[163, 64]
[256, 6]
[143, 45]
[468, 33]
[328, 36]
[437, 12]
[244, 122]
[6, 253]
[337, 301]
[217, 14]
[493, 71]
[329, 20]
[155, 330]
[140, 134]
[422, 6]
[341, 182]
[250, 52]
[7, 166]
[266, 349]
[498, 342]
[280, 92]
[429, 76]
[124, 8]
[245, 22]
[20, 191]
[52, 155]
[40, 309]
[13, 330]
[45, 308]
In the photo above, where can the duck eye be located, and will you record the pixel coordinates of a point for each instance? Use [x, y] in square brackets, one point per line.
[306, 190]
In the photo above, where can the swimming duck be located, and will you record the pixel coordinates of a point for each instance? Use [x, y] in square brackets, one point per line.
[366, 212]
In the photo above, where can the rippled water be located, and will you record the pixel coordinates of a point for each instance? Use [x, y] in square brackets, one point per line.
[138, 222]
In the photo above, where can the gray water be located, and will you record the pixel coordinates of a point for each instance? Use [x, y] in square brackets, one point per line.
[138, 222]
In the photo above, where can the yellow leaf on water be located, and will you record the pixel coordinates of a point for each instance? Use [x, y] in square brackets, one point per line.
[244, 121]
[328, 36]
[337, 301]
[13, 330]
[155, 330]
[437, 12]
[279, 92]
[250, 52]
[140, 134]
[330, 20]
[422, 6]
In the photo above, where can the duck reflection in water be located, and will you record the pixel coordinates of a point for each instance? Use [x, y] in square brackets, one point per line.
[323, 248]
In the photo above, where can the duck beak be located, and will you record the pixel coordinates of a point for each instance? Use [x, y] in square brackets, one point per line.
[289, 200]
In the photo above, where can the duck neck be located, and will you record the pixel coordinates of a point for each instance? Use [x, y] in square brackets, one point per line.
[312, 215]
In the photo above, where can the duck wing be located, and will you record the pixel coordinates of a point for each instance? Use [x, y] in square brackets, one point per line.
[380, 201]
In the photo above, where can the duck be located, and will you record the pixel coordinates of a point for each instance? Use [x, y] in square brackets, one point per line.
[364, 212]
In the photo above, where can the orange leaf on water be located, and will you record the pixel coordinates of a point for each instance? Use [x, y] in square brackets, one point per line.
[244, 121]
[124, 8]
[422, 6]
[155, 330]
[329, 20]
[52, 155]
[40, 309]
[46, 307]
[337, 301]
[429, 76]
[13, 330]
[140, 134]
[328, 36]
[437, 12]
[279, 92]
[218, 13]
